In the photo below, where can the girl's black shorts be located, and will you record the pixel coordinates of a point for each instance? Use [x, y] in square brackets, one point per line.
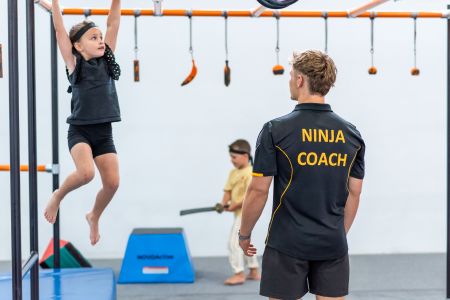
[98, 136]
[289, 278]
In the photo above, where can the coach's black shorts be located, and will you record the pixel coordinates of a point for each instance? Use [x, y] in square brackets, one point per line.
[287, 278]
[98, 136]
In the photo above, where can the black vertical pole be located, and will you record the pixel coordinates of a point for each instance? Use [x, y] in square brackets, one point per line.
[14, 149]
[55, 151]
[448, 156]
[32, 156]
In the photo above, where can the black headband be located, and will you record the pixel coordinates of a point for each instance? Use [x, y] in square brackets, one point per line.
[242, 152]
[82, 31]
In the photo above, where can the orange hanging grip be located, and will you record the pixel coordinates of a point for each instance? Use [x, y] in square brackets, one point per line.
[227, 74]
[415, 72]
[192, 75]
[372, 71]
[136, 70]
[278, 70]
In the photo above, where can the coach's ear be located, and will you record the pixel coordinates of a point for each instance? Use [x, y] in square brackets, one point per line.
[300, 81]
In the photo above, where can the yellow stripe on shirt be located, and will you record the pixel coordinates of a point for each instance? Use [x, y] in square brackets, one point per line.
[281, 198]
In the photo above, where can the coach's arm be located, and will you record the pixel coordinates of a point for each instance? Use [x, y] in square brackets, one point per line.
[351, 207]
[252, 208]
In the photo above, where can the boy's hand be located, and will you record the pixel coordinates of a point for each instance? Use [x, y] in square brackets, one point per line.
[230, 208]
[248, 248]
[225, 206]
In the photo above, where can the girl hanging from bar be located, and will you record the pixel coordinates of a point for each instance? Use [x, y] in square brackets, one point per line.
[91, 70]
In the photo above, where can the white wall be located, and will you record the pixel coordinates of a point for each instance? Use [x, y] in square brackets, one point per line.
[172, 142]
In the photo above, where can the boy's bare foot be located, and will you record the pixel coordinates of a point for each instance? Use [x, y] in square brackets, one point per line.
[51, 211]
[253, 275]
[93, 225]
[236, 279]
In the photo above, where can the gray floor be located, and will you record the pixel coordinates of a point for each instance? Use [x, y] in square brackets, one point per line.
[373, 277]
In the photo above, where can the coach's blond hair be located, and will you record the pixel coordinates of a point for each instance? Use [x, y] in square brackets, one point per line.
[318, 67]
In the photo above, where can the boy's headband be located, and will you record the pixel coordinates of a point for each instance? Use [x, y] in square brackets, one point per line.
[242, 152]
[82, 31]
[238, 152]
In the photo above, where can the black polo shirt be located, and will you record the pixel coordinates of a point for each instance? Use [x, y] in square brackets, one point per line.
[311, 153]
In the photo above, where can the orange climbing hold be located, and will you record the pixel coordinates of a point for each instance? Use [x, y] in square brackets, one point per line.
[191, 76]
[372, 71]
[278, 70]
[415, 72]
[227, 74]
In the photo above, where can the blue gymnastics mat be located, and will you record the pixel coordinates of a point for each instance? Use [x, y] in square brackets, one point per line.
[66, 284]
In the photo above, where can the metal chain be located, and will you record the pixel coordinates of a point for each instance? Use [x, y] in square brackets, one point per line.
[277, 49]
[371, 49]
[135, 37]
[415, 38]
[191, 50]
[226, 36]
[326, 35]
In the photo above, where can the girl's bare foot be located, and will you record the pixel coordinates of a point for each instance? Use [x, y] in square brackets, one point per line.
[236, 279]
[51, 211]
[94, 232]
[253, 275]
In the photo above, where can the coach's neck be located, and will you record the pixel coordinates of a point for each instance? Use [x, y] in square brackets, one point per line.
[308, 98]
[304, 93]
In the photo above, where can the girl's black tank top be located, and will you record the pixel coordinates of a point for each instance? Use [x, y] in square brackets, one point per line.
[94, 96]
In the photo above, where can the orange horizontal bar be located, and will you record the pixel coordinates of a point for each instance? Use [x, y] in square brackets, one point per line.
[100, 11]
[174, 12]
[243, 13]
[25, 168]
[127, 12]
[301, 14]
[206, 13]
[73, 11]
[430, 14]
[396, 15]
[240, 13]
[337, 14]
[146, 12]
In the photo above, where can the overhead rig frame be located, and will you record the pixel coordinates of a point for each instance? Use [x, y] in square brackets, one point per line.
[259, 12]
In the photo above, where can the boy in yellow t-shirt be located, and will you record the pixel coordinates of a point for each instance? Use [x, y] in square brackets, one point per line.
[234, 192]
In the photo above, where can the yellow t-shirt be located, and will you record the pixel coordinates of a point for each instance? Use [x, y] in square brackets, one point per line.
[237, 183]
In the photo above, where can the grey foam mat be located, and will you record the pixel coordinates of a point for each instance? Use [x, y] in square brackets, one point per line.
[373, 277]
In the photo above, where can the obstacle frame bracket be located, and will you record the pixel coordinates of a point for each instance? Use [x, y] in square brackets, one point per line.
[158, 10]
[87, 12]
